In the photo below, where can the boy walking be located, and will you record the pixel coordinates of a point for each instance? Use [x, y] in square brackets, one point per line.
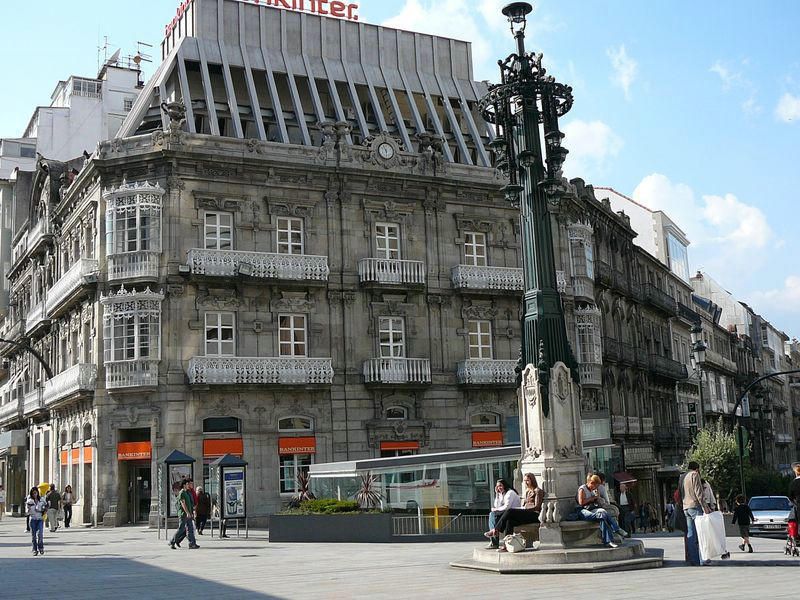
[744, 516]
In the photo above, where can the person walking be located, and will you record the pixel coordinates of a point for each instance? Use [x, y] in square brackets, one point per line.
[2, 501]
[203, 509]
[67, 499]
[185, 515]
[794, 486]
[53, 499]
[627, 507]
[693, 507]
[669, 515]
[35, 507]
[744, 517]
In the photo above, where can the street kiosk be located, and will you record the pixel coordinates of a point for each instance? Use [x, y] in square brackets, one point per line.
[228, 478]
[172, 469]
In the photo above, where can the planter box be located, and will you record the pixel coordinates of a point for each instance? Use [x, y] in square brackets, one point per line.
[370, 527]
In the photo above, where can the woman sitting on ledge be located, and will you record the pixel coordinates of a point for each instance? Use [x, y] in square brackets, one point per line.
[505, 497]
[529, 513]
[589, 510]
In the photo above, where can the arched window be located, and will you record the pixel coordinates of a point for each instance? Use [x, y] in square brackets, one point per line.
[295, 423]
[222, 425]
[74, 437]
[87, 432]
[64, 439]
[396, 413]
[485, 421]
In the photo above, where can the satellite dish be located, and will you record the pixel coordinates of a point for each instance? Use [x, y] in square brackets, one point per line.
[137, 59]
[114, 58]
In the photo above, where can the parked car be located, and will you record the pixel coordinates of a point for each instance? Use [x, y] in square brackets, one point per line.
[771, 513]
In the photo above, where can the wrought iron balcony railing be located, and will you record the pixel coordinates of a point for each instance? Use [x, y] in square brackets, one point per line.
[666, 367]
[397, 370]
[142, 372]
[391, 271]
[660, 299]
[78, 378]
[133, 265]
[83, 272]
[261, 265]
[487, 372]
[282, 370]
[487, 278]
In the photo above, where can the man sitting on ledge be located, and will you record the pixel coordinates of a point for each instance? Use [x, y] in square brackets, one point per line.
[589, 510]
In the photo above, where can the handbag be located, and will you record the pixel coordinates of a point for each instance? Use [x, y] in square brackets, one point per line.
[514, 542]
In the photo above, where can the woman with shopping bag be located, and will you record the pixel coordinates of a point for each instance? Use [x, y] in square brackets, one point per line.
[711, 529]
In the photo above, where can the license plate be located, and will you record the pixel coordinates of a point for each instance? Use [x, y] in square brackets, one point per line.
[773, 526]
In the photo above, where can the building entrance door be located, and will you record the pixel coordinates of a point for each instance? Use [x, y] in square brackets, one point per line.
[140, 490]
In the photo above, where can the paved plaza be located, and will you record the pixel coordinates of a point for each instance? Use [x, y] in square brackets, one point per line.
[130, 562]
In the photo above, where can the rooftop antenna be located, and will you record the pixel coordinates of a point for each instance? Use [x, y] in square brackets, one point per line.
[104, 50]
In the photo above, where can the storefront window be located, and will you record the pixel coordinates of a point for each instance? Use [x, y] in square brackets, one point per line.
[291, 466]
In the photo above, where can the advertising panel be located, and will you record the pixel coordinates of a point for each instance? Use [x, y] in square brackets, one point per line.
[234, 492]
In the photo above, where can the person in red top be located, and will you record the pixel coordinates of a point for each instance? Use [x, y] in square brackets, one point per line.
[192, 491]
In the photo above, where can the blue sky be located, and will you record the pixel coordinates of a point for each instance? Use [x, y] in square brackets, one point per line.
[690, 107]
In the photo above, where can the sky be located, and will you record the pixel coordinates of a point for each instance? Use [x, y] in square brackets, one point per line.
[688, 107]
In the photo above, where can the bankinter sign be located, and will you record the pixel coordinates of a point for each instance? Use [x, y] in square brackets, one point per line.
[328, 8]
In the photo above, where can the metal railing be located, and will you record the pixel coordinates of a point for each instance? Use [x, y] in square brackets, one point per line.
[397, 370]
[487, 278]
[393, 271]
[131, 373]
[437, 525]
[487, 372]
[131, 265]
[262, 265]
[286, 370]
[666, 367]
[660, 299]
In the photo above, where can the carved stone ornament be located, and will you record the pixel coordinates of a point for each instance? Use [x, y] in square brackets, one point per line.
[479, 311]
[561, 387]
[218, 299]
[383, 151]
[532, 453]
[256, 146]
[530, 387]
[292, 302]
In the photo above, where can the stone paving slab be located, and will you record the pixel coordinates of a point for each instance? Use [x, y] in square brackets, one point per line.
[130, 562]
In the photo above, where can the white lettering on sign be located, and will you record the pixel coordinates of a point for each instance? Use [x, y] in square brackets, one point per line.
[328, 8]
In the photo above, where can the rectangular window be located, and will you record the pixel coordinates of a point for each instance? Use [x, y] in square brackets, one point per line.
[291, 466]
[220, 338]
[218, 231]
[131, 337]
[290, 236]
[589, 346]
[392, 337]
[387, 240]
[475, 249]
[127, 104]
[480, 340]
[292, 335]
[678, 257]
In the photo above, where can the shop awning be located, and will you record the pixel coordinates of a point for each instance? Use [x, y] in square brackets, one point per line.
[297, 445]
[134, 451]
[221, 447]
[624, 477]
[400, 445]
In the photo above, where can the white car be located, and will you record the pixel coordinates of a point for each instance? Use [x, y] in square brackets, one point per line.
[771, 513]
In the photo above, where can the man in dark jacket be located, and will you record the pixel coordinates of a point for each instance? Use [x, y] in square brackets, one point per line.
[202, 509]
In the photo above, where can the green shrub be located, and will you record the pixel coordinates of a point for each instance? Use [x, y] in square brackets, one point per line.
[328, 506]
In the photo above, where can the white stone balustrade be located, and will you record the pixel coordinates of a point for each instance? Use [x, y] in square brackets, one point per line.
[619, 425]
[132, 265]
[487, 278]
[397, 370]
[647, 425]
[36, 315]
[482, 372]
[634, 425]
[386, 270]
[10, 410]
[80, 377]
[40, 229]
[131, 373]
[561, 282]
[590, 374]
[72, 280]
[283, 370]
[263, 265]
[32, 402]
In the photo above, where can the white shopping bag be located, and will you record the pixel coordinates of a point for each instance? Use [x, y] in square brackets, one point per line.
[711, 535]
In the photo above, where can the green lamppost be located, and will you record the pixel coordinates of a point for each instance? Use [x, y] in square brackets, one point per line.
[524, 108]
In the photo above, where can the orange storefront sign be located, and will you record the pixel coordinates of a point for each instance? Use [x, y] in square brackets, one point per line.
[64, 455]
[222, 447]
[297, 445]
[76, 455]
[399, 445]
[87, 454]
[483, 439]
[134, 451]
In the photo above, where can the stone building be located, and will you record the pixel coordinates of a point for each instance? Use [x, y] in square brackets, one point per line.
[316, 265]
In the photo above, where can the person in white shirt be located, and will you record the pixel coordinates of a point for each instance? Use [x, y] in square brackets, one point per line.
[505, 497]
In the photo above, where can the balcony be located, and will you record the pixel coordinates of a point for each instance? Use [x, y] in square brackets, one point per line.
[15, 331]
[10, 411]
[391, 271]
[659, 299]
[590, 374]
[629, 354]
[76, 379]
[83, 272]
[611, 349]
[131, 373]
[583, 287]
[620, 281]
[636, 290]
[603, 274]
[619, 425]
[688, 314]
[485, 278]
[259, 265]
[37, 317]
[718, 361]
[133, 265]
[561, 282]
[32, 402]
[487, 372]
[647, 425]
[240, 370]
[666, 367]
[634, 425]
[37, 233]
[783, 438]
[397, 370]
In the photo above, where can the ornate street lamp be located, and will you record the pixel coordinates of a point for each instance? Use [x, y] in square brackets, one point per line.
[524, 108]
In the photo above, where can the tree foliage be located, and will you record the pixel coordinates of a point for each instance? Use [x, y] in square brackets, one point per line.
[716, 450]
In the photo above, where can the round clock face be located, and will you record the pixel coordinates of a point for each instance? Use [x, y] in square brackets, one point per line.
[386, 150]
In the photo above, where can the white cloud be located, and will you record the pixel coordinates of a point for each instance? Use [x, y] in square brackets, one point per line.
[784, 299]
[788, 108]
[625, 69]
[728, 76]
[734, 79]
[729, 237]
[591, 145]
